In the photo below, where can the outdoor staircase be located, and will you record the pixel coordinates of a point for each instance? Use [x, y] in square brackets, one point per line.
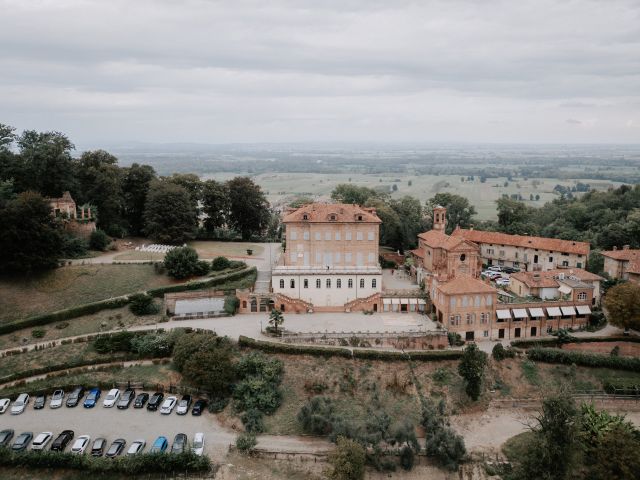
[353, 304]
[263, 282]
[293, 303]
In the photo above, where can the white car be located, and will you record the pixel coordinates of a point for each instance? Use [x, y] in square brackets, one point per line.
[20, 404]
[197, 446]
[495, 268]
[4, 404]
[168, 404]
[80, 445]
[56, 399]
[111, 398]
[41, 441]
[136, 447]
[502, 282]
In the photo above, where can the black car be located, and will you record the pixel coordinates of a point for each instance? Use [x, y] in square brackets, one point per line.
[198, 407]
[5, 437]
[510, 269]
[116, 448]
[74, 398]
[61, 442]
[22, 442]
[97, 449]
[126, 398]
[141, 400]
[40, 401]
[179, 443]
[155, 401]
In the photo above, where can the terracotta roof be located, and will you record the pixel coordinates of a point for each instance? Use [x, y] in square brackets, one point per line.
[548, 279]
[525, 241]
[437, 239]
[465, 284]
[417, 252]
[634, 266]
[623, 254]
[322, 213]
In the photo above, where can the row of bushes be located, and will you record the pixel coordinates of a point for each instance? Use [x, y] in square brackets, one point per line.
[555, 355]
[556, 342]
[200, 284]
[143, 463]
[273, 347]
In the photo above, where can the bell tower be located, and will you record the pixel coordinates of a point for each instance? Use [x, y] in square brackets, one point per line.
[439, 218]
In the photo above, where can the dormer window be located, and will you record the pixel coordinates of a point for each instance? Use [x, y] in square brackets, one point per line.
[359, 218]
[305, 217]
[332, 217]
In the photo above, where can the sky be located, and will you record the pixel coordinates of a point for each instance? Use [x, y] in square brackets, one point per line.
[525, 71]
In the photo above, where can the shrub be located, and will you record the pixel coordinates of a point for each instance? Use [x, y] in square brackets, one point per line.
[220, 263]
[499, 353]
[231, 304]
[38, 332]
[142, 304]
[317, 416]
[246, 442]
[181, 262]
[155, 344]
[455, 340]
[553, 355]
[99, 240]
[407, 457]
[347, 460]
[471, 368]
[218, 404]
[259, 364]
[257, 393]
[202, 268]
[114, 342]
[253, 421]
[61, 325]
[73, 247]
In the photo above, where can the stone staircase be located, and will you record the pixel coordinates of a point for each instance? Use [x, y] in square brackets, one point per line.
[263, 282]
[354, 304]
[294, 304]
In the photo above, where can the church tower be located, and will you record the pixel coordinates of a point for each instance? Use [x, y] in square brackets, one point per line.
[439, 218]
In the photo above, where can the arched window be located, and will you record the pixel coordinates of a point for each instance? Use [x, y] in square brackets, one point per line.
[463, 257]
[292, 283]
[282, 283]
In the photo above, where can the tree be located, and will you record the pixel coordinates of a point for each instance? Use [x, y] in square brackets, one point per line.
[596, 262]
[347, 460]
[511, 212]
[459, 212]
[248, 207]
[169, 213]
[345, 193]
[246, 442]
[215, 204]
[99, 240]
[471, 368]
[135, 185]
[275, 319]
[622, 303]
[142, 304]
[616, 455]
[30, 237]
[220, 263]
[191, 183]
[181, 262]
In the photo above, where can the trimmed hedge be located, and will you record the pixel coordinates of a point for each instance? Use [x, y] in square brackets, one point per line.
[422, 355]
[556, 355]
[198, 285]
[143, 463]
[555, 342]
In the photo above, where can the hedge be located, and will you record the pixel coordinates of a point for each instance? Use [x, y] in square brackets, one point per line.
[555, 342]
[556, 355]
[142, 463]
[198, 285]
[420, 355]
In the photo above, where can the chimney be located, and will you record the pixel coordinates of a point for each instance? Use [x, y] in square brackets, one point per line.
[625, 247]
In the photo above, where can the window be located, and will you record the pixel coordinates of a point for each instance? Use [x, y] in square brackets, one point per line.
[362, 283]
[305, 235]
[550, 259]
[373, 283]
[347, 235]
[336, 257]
[565, 263]
[339, 283]
[582, 296]
[318, 285]
[477, 301]
[282, 283]
[501, 253]
[372, 257]
[294, 235]
[535, 259]
[305, 217]
[489, 251]
[332, 218]
[463, 257]
[318, 236]
[306, 283]
[579, 264]
[452, 302]
[327, 235]
[489, 300]
[469, 319]
[485, 333]
[347, 257]
[350, 283]
[292, 283]
[328, 283]
[359, 218]
[370, 236]
[293, 257]
[359, 236]
[337, 235]
[464, 301]
[483, 318]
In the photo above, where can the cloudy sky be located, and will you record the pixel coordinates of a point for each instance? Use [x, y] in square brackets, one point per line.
[112, 71]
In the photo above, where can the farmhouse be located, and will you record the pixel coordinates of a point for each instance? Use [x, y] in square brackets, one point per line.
[623, 264]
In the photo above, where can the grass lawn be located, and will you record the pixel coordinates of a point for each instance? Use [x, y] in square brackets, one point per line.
[137, 255]
[65, 287]
[209, 249]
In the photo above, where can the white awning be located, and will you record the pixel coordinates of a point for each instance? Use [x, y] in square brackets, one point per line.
[503, 314]
[519, 313]
[386, 301]
[395, 301]
[421, 301]
[568, 310]
[413, 301]
[554, 311]
[566, 289]
[536, 312]
[583, 309]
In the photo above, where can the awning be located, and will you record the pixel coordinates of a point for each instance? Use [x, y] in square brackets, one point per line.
[413, 301]
[386, 301]
[519, 313]
[566, 289]
[503, 314]
[536, 312]
[421, 301]
[583, 309]
[568, 310]
[554, 311]
[395, 301]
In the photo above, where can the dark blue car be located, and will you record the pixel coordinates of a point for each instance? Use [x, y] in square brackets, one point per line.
[92, 398]
[160, 445]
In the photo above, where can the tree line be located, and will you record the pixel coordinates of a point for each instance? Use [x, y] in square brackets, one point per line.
[131, 200]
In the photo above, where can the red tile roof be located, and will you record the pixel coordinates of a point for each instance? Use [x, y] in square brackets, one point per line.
[418, 252]
[465, 284]
[437, 239]
[525, 241]
[547, 279]
[322, 212]
[623, 254]
[634, 266]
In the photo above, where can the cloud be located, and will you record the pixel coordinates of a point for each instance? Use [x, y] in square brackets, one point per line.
[573, 121]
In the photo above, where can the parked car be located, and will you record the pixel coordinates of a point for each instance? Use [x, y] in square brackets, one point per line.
[198, 407]
[74, 399]
[126, 398]
[502, 282]
[155, 401]
[111, 398]
[183, 405]
[56, 399]
[136, 447]
[140, 401]
[168, 405]
[179, 443]
[510, 269]
[116, 448]
[495, 268]
[22, 441]
[61, 442]
[20, 404]
[41, 440]
[40, 401]
[5, 437]
[4, 404]
[80, 445]
[97, 449]
[198, 443]
[92, 398]
[160, 445]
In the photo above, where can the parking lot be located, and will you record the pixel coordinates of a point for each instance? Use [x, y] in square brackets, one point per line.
[112, 423]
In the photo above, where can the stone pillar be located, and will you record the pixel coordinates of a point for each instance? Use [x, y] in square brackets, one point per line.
[89, 213]
[82, 213]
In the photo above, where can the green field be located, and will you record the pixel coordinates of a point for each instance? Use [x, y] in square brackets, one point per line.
[284, 186]
[73, 285]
